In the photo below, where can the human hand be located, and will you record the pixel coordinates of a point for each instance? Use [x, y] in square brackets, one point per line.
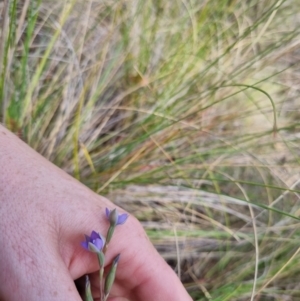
[44, 213]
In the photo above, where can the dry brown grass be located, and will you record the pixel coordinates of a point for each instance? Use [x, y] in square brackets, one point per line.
[184, 113]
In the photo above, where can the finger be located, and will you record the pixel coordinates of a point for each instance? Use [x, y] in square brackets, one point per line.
[151, 280]
[36, 276]
[160, 284]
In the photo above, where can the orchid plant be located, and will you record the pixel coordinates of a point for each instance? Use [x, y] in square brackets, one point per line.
[98, 244]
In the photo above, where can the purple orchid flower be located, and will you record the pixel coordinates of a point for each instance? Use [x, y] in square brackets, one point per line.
[115, 218]
[94, 243]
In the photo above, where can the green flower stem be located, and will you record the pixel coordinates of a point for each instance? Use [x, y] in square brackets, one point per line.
[101, 285]
[101, 260]
[109, 235]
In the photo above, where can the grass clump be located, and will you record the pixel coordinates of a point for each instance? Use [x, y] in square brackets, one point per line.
[184, 113]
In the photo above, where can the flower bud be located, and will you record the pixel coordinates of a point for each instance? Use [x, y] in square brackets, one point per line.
[113, 217]
[88, 291]
[111, 276]
[94, 243]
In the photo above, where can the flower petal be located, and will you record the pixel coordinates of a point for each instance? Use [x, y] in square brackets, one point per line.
[103, 239]
[94, 235]
[87, 238]
[122, 219]
[107, 212]
[85, 245]
[98, 243]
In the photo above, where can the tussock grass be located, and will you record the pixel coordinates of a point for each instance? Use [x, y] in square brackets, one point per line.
[184, 113]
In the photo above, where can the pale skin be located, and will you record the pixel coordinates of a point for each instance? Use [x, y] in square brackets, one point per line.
[44, 214]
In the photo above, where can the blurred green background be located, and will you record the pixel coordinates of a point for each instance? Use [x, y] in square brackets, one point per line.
[185, 113]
